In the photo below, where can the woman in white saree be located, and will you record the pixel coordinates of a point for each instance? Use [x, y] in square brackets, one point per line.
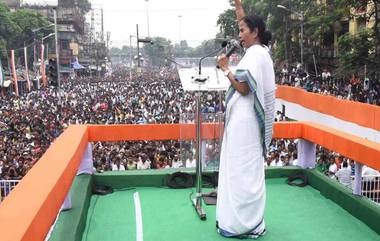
[247, 134]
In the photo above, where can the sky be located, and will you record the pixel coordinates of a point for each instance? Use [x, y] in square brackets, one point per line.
[196, 24]
[197, 21]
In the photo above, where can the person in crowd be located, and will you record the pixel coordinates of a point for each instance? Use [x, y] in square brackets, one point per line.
[344, 174]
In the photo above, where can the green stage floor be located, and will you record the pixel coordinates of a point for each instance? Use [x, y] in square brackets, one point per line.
[292, 214]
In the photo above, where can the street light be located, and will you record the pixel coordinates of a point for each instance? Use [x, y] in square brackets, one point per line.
[47, 45]
[179, 28]
[34, 31]
[131, 55]
[147, 15]
[302, 17]
[44, 27]
[141, 40]
[57, 56]
[47, 36]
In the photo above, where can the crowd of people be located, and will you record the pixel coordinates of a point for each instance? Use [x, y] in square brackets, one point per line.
[29, 123]
[355, 89]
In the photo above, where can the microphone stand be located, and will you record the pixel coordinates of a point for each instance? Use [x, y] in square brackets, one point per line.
[197, 201]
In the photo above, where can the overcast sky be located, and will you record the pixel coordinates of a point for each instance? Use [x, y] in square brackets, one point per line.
[198, 21]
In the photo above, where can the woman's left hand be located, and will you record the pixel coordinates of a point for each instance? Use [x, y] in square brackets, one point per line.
[223, 62]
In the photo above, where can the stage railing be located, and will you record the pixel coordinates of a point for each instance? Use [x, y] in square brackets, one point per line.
[47, 184]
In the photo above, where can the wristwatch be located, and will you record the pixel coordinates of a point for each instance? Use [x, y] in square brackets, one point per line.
[226, 72]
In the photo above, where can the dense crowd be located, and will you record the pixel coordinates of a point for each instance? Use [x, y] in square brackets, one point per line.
[28, 124]
[355, 89]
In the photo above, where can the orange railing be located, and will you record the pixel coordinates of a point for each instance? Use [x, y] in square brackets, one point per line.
[365, 115]
[28, 212]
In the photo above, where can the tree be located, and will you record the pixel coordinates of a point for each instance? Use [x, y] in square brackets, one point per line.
[355, 53]
[183, 50]
[368, 12]
[16, 27]
[207, 47]
[9, 30]
[158, 52]
[227, 24]
[29, 20]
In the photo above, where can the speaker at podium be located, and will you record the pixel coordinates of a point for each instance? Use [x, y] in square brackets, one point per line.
[209, 130]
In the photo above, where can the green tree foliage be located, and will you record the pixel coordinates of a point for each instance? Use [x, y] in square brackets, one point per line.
[16, 27]
[182, 49]
[207, 47]
[28, 21]
[9, 30]
[356, 51]
[158, 52]
[324, 24]
[367, 41]
[227, 24]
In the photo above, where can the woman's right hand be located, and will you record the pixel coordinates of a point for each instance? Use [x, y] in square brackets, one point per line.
[223, 62]
[239, 10]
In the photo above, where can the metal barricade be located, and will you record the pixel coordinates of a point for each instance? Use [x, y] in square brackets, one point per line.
[371, 187]
[6, 187]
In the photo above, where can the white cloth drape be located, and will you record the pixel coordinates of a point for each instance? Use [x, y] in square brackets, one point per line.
[241, 190]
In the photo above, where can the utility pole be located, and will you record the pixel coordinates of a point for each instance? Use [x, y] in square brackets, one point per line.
[102, 32]
[147, 15]
[301, 16]
[57, 55]
[131, 57]
[91, 41]
[142, 40]
[286, 41]
[302, 22]
[179, 28]
[138, 47]
[34, 53]
[108, 40]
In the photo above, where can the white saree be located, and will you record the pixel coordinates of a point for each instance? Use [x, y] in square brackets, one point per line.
[247, 135]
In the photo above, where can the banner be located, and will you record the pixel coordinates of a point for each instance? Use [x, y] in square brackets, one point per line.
[2, 78]
[26, 68]
[42, 67]
[14, 74]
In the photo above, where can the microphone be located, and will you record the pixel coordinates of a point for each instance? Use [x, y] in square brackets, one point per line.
[234, 45]
[224, 44]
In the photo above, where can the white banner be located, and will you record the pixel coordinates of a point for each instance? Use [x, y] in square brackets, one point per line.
[1, 75]
[26, 68]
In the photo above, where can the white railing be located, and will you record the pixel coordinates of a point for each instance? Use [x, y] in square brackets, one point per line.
[371, 187]
[6, 187]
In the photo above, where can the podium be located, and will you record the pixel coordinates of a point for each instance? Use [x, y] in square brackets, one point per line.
[211, 79]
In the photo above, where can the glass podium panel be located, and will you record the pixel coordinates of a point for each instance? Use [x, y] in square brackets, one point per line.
[212, 134]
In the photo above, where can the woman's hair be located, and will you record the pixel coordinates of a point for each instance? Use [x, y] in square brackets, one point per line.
[253, 22]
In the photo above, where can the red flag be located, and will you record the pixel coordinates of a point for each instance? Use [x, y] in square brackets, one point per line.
[14, 74]
[42, 67]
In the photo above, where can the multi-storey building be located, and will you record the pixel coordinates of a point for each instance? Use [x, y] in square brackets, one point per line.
[70, 26]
